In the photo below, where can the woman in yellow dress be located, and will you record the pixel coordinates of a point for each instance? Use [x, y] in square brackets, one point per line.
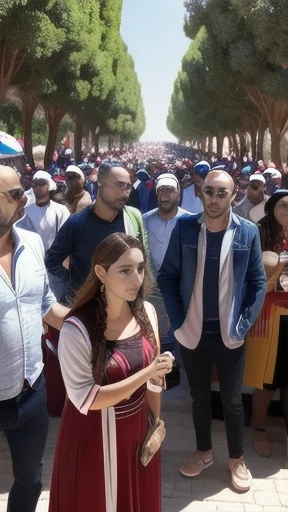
[267, 343]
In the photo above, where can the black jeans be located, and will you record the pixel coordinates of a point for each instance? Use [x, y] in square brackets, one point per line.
[230, 368]
[26, 439]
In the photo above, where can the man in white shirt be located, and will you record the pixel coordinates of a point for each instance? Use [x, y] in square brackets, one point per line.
[252, 206]
[25, 299]
[46, 215]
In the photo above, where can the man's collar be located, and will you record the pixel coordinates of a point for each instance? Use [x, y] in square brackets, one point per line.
[232, 223]
[15, 236]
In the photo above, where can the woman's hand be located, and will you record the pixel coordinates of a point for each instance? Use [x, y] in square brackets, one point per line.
[160, 366]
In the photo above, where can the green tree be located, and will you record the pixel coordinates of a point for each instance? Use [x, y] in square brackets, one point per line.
[26, 28]
[238, 53]
[10, 119]
[204, 105]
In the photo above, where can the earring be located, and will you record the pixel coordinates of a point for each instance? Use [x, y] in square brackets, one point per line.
[102, 288]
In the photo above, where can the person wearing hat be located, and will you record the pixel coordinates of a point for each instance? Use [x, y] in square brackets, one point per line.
[191, 195]
[160, 222]
[76, 197]
[251, 207]
[45, 215]
[213, 284]
[273, 178]
[68, 158]
[267, 344]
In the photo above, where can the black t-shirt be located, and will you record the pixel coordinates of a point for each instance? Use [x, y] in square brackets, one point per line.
[211, 281]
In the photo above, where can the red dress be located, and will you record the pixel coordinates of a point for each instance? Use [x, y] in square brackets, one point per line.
[78, 481]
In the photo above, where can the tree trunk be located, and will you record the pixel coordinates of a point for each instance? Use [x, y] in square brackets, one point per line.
[220, 140]
[260, 142]
[29, 104]
[78, 129]
[10, 63]
[243, 148]
[53, 116]
[235, 145]
[203, 144]
[253, 135]
[276, 147]
[210, 146]
[96, 142]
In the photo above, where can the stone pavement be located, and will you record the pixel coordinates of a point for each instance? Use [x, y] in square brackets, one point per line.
[209, 492]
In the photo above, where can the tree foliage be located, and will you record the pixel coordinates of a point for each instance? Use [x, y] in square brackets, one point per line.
[252, 79]
[70, 58]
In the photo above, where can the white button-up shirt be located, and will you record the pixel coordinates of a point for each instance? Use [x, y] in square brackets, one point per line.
[23, 304]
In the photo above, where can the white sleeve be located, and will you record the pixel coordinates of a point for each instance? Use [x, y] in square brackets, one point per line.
[64, 216]
[74, 351]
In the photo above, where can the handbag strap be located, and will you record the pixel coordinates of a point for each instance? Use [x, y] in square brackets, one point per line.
[151, 313]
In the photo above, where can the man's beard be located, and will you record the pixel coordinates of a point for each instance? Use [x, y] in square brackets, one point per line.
[6, 224]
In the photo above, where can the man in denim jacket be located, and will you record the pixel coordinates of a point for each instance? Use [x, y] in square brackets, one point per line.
[213, 283]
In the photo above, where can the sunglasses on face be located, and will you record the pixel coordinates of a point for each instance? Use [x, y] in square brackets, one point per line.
[39, 183]
[221, 194]
[15, 193]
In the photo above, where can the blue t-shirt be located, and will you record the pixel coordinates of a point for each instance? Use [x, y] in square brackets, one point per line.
[211, 281]
[78, 238]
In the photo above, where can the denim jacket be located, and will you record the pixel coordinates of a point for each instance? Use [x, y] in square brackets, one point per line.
[242, 280]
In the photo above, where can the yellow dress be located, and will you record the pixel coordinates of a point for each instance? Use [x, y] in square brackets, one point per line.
[262, 341]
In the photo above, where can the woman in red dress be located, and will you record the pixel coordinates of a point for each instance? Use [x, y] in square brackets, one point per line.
[107, 352]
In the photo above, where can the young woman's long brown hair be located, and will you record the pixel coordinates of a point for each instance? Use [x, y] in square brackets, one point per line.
[107, 253]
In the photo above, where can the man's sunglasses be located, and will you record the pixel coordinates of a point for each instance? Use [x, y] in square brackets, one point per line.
[15, 193]
[221, 194]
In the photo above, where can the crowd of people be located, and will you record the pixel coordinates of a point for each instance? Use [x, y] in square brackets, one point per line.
[111, 251]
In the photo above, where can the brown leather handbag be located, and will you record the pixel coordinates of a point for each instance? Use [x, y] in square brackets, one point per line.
[152, 442]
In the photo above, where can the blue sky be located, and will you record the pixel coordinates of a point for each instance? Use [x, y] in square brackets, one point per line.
[153, 31]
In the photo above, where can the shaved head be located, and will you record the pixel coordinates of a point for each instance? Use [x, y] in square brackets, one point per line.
[12, 199]
[219, 179]
[9, 178]
[218, 192]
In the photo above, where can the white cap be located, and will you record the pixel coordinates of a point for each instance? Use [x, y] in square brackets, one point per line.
[44, 175]
[167, 180]
[274, 172]
[68, 152]
[75, 170]
[257, 177]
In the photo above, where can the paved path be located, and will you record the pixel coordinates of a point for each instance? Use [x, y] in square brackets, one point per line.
[209, 492]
